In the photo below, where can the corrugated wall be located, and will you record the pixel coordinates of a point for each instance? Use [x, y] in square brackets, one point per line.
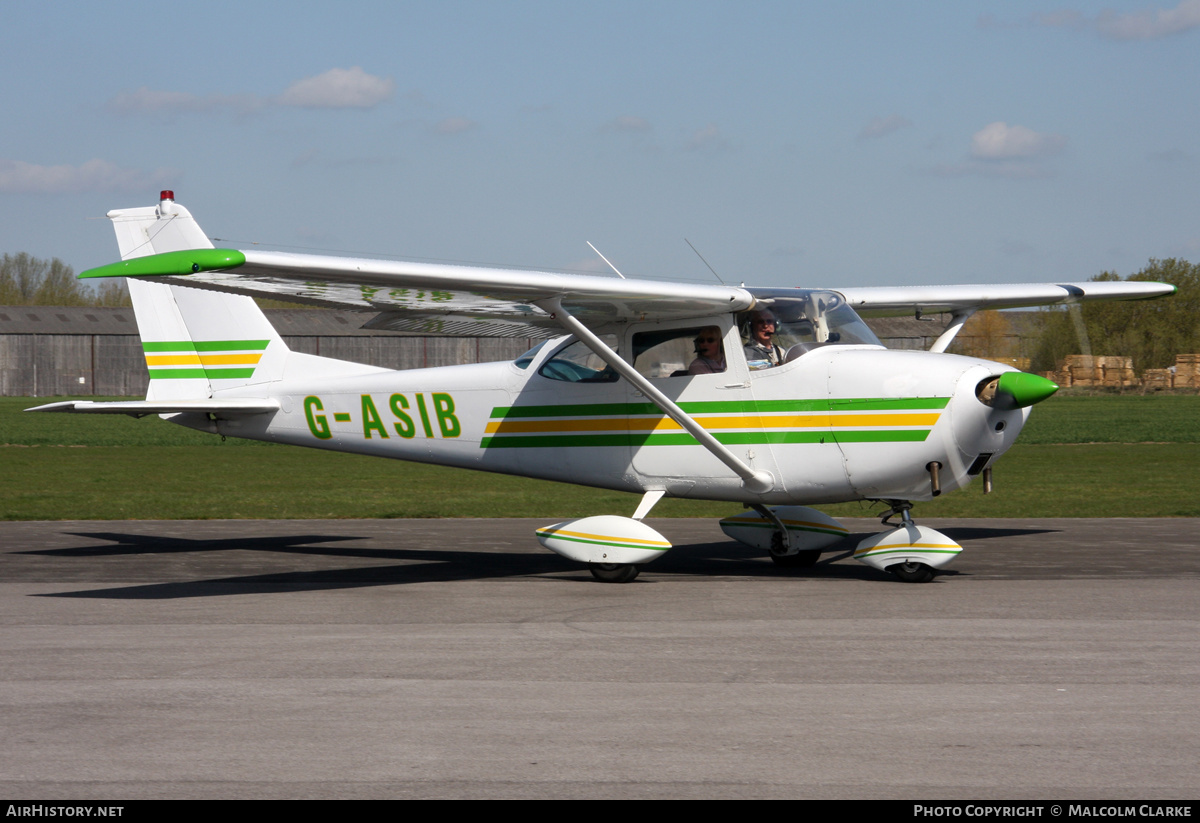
[49, 351]
[45, 365]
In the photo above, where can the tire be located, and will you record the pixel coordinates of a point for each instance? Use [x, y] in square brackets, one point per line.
[614, 572]
[799, 560]
[912, 572]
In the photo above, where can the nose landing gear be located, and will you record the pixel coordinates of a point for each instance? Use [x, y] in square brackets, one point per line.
[909, 551]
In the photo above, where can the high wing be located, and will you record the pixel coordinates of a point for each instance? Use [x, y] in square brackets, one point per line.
[477, 301]
[438, 299]
[433, 298]
[964, 301]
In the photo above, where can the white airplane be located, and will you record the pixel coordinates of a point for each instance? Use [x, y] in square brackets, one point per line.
[620, 401]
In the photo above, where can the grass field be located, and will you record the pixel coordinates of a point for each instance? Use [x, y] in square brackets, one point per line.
[1114, 456]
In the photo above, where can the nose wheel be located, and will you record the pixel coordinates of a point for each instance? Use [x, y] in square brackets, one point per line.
[909, 552]
[614, 572]
[912, 572]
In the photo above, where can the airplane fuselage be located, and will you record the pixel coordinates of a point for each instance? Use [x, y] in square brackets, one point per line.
[839, 423]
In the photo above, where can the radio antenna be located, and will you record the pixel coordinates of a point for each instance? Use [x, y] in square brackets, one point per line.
[702, 260]
[605, 259]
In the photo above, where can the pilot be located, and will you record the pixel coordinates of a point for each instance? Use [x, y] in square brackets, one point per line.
[761, 351]
[710, 352]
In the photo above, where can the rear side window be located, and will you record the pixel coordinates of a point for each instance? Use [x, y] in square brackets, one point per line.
[576, 363]
[665, 352]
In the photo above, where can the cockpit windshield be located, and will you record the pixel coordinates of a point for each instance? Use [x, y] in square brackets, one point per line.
[804, 320]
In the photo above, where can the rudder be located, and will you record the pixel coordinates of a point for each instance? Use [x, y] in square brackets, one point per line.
[196, 342]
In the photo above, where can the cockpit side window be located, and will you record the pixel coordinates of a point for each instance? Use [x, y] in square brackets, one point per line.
[804, 320]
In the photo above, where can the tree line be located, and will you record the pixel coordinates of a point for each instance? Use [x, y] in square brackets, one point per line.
[30, 281]
[1150, 332]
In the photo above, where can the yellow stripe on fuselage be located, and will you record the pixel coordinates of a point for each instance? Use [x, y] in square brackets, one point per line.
[202, 359]
[172, 360]
[749, 421]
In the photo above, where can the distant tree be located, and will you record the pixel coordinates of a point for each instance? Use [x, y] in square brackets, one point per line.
[29, 281]
[1055, 337]
[988, 335]
[1151, 332]
[113, 294]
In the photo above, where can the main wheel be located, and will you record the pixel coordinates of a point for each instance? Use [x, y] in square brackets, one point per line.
[912, 572]
[799, 560]
[614, 572]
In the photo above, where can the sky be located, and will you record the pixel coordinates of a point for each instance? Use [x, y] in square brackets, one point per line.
[792, 143]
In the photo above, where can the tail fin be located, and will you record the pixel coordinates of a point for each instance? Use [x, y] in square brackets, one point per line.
[196, 342]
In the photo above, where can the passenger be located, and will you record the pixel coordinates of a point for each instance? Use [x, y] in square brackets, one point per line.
[761, 351]
[710, 352]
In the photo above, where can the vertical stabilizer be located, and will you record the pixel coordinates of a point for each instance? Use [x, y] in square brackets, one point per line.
[196, 342]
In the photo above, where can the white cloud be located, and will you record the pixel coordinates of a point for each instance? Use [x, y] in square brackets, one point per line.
[627, 123]
[17, 177]
[882, 126]
[707, 138]
[1000, 141]
[1062, 19]
[1149, 24]
[350, 88]
[455, 125]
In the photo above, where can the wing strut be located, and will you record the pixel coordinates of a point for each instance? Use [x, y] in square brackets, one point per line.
[956, 323]
[758, 482]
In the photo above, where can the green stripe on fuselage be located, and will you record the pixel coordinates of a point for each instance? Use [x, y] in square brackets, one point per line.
[722, 406]
[211, 373]
[205, 345]
[559, 441]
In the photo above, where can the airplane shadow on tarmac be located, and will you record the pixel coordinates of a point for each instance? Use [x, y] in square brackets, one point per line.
[725, 558]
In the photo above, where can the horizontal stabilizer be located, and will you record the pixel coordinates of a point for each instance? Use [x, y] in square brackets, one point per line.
[141, 408]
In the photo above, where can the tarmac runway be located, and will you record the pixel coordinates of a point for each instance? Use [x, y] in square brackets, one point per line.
[1057, 660]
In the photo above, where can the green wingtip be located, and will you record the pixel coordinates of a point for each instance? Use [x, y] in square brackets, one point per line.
[1025, 389]
[191, 261]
